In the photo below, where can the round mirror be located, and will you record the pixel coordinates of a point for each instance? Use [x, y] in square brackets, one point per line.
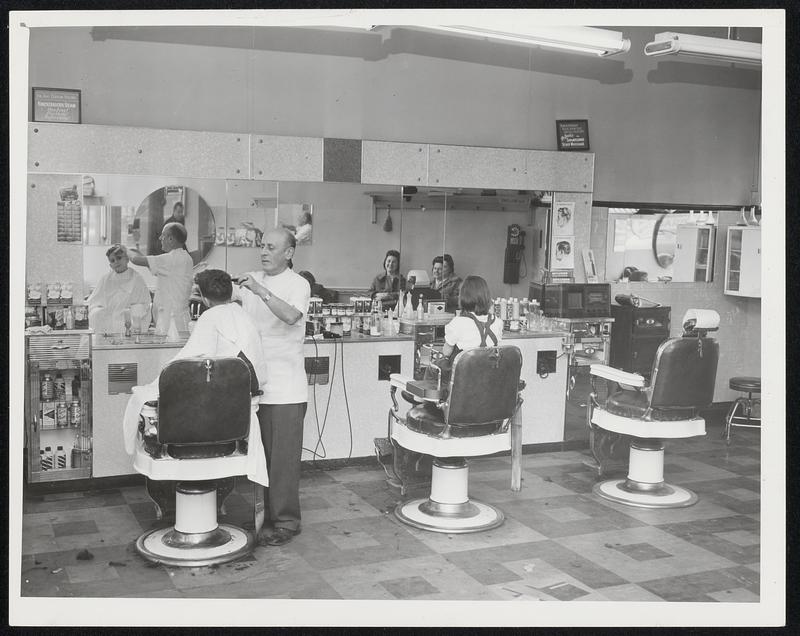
[664, 242]
[178, 204]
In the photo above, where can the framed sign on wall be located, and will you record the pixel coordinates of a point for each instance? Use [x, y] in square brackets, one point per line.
[59, 105]
[572, 134]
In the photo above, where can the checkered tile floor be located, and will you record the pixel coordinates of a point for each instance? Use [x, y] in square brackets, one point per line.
[558, 543]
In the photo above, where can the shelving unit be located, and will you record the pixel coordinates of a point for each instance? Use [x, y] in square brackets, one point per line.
[50, 423]
[694, 253]
[743, 261]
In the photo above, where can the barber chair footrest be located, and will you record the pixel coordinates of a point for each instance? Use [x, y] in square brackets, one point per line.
[171, 547]
[471, 516]
[664, 495]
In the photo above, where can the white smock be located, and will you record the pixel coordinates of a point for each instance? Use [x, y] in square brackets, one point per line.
[174, 275]
[221, 331]
[113, 294]
[282, 343]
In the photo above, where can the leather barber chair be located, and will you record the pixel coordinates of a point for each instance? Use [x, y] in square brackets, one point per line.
[682, 383]
[200, 441]
[470, 416]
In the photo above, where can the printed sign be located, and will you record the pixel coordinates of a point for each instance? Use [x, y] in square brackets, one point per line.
[572, 134]
[60, 105]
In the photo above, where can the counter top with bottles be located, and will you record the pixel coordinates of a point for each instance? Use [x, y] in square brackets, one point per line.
[143, 341]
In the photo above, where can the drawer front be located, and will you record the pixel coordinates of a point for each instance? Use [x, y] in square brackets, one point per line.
[651, 322]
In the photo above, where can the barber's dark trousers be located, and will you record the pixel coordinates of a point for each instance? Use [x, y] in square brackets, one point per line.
[282, 436]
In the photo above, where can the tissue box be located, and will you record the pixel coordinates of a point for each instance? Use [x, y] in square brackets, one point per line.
[48, 415]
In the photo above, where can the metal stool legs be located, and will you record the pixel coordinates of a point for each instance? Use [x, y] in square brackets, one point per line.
[745, 419]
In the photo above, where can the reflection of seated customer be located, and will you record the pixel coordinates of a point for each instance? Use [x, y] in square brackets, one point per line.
[117, 290]
[223, 330]
[328, 295]
[448, 284]
[388, 285]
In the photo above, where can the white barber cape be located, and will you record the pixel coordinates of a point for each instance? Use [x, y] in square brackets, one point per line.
[222, 330]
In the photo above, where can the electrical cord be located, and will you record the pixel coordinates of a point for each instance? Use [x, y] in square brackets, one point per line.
[316, 413]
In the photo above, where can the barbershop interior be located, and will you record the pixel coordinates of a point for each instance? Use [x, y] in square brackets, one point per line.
[586, 427]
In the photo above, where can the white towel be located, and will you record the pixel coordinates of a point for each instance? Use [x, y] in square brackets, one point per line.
[256, 459]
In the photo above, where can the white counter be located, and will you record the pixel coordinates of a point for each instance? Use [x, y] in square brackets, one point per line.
[344, 415]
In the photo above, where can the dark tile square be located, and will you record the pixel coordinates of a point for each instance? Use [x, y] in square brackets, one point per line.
[313, 503]
[641, 551]
[409, 587]
[695, 587]
[74, 527]
[563, 591]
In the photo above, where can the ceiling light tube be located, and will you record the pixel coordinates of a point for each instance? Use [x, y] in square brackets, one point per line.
[719, 49]
[600, 42]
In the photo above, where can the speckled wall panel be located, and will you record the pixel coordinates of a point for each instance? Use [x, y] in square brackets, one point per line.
[565, 171]
[45, 258]
[120, 150]
[394, 163]
[287, 158]
[342, 160]
[476, 167]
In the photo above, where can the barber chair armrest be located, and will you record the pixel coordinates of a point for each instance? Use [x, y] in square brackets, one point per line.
[616, 375]
[399, 381]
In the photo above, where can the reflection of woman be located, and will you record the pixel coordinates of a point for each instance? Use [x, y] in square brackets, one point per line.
[449, 283]
[387, 286]
[117, 290]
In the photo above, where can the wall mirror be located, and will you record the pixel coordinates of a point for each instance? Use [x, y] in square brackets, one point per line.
[132, 210]
[656, 245]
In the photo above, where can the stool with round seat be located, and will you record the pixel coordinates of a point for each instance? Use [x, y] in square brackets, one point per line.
[749, 385]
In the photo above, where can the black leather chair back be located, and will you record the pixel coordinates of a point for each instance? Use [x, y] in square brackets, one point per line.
[483, 386]
[684, 373]
[203, 406]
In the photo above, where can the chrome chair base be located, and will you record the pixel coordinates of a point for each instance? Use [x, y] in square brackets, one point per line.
[171, 547]
[471, 516]
[662, 495]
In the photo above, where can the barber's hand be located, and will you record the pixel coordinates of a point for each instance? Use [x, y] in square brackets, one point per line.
[247, 280]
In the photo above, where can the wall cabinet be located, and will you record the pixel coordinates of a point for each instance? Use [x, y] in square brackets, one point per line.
[694, 253]
[58, 407]
[743, 261]
[636, 336]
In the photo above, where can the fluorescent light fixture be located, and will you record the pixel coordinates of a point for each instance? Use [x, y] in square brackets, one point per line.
[736, 51]
[599, 42]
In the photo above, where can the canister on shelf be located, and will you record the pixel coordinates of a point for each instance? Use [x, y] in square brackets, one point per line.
[61, 415]
[48, 391]
[75, 413]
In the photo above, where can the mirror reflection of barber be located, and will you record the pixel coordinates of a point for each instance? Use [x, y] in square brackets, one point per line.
[173, 272]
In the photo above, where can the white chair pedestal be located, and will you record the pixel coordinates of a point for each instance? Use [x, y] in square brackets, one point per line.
[196, 539]
[645, 486]
[449, 508]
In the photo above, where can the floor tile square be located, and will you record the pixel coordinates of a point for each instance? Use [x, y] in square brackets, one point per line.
[740, 537]
[564, 591]
[90, 572]
[603, 548]
[74, 527]
[742, 494]
[409, 587]
[641, 551]
[736, 595]
[353, 541]
[565, 514]
[698, 586]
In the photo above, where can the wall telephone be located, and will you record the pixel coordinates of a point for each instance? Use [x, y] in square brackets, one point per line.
[515, 249]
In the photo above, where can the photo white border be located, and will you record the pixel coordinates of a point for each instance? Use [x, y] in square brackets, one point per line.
[191, 612]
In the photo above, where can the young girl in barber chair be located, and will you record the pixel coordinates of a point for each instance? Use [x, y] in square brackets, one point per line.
[475, 327]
